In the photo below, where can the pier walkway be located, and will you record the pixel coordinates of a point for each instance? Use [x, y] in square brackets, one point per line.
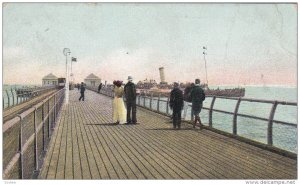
[87, 145]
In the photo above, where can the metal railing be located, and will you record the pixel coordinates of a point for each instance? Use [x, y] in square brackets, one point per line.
[161, 105]
[26, 137]
[12, 97]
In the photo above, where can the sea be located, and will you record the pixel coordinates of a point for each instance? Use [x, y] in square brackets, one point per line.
[284, 136]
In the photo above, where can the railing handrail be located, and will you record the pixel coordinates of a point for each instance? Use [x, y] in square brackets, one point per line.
[13, 121]
[51, 113]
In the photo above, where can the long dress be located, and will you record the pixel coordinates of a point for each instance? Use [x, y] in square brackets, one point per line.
[119, 110]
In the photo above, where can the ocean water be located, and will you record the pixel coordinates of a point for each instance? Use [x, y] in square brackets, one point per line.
[284, 136]
[9, 96]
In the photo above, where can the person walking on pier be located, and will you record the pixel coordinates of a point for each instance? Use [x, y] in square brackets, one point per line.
[82, 89]
[99, 87]
[176, 104]
[119, 111]
[130, 94]
[198, 96]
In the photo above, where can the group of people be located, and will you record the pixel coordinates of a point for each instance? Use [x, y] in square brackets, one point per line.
[122, 115]
[127, 115]
[195, 95]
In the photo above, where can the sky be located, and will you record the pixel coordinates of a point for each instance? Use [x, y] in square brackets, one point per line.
[247, 44]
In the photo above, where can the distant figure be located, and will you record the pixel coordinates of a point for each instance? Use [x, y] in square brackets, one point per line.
[82, 89]
[119, 110]
[99, 87]
[78, 86]
[176, 104]
[130, 94]
[198, 96]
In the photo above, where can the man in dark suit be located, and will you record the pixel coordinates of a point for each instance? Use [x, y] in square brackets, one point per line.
[176, 104]
[198, 96]
[99, 87]
[130, 95]
[82, 89]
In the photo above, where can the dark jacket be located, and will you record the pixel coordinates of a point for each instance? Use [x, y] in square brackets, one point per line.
[82, 89]
[198, 96]
[176, 99]
[100, 86]
[130, 91]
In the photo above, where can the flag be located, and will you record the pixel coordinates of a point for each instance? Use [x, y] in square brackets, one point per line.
[74, 59]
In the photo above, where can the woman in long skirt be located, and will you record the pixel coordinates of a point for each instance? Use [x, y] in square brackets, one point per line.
[119, 110]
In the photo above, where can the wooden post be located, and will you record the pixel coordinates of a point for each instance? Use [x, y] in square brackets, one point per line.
[158, 100]
[234, 124]
[13, 97]
[21, 171]
[8, 101]
[211, 110]
[35, 141]
[49, 119]
[270, 123]
[167, 107]
[151, 100]
[43, 125]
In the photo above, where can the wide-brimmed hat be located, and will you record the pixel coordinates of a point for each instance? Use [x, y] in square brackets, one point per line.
[129, 78]
[117, 83]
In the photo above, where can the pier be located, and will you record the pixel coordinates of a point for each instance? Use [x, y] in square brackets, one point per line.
[83, 143]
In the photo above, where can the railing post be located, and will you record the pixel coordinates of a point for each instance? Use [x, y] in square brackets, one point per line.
[54, 109]
[49, 120]
[35, 141]
[270, 123]
[234, 124]
[151, 100]
[13, 97]
[167, 107]
[158, 102]
[8, 101]
[144, 100]
[43, 125]
[211, 110]
[21, 171]
[192, 115]
[139, 99]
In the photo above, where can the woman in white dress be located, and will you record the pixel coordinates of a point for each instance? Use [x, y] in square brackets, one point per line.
[119, 110]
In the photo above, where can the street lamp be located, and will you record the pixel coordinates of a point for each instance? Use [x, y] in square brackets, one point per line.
[67, 52]
[205, 53]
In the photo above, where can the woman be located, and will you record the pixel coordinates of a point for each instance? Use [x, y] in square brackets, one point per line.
[119, 111]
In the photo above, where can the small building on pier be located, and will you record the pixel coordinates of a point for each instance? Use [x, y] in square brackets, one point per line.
[92, 80]
[50, 79]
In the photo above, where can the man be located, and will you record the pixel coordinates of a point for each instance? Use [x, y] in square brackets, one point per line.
[82, 89]
[99, 87]
[198, 96]
[130, 95]
[176, 104]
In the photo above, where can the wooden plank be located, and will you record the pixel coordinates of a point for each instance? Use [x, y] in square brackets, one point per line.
[77, 171]
[151, 150]
[86, 174]
[90, 157]
[68, 171]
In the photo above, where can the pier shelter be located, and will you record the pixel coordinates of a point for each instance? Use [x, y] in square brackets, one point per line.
[92, 80]
[50, 79]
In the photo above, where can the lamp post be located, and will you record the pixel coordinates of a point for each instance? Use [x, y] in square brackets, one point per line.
[67, 52]
[205, 53]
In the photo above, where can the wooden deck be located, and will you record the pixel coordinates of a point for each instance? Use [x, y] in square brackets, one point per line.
[87, 145]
